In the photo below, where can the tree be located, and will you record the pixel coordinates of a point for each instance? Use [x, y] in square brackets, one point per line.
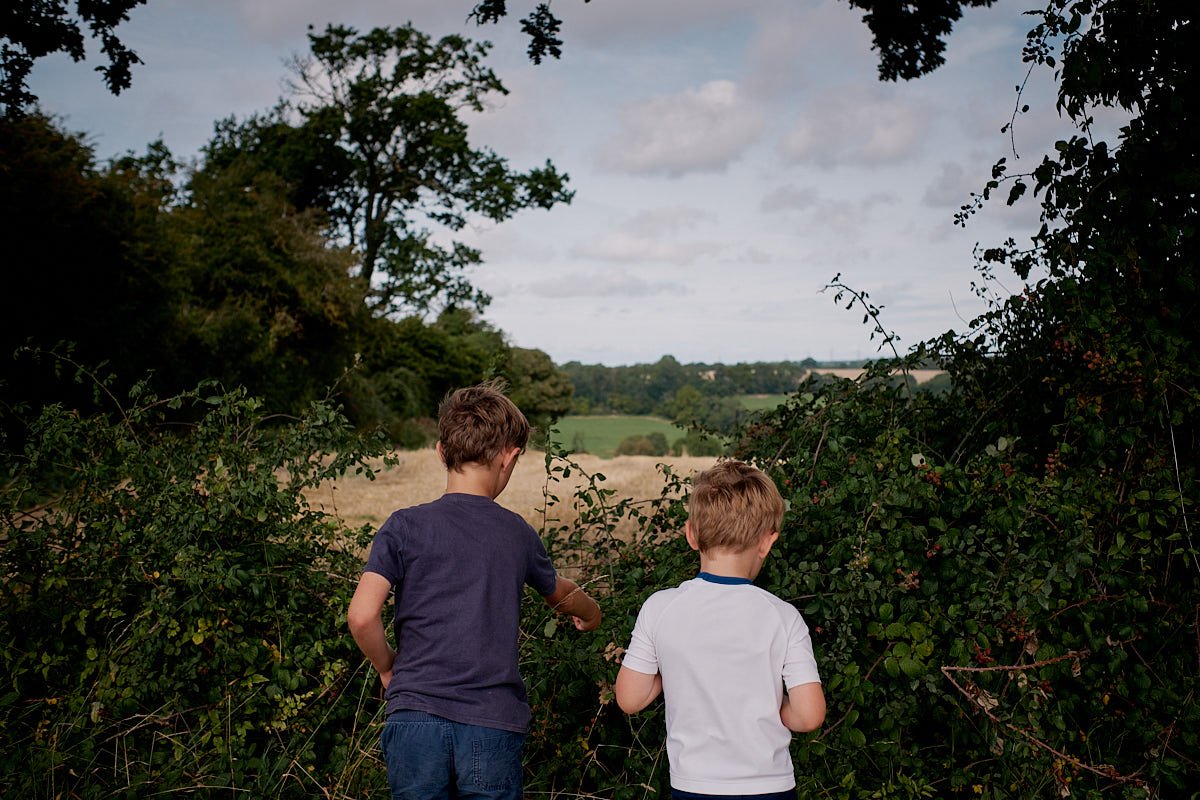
[32, 29]
[87, 263]
[541, 390]
[384, 106]
[269, 304]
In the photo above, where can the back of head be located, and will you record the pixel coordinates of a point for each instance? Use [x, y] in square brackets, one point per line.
[478, 423]
[732, 505]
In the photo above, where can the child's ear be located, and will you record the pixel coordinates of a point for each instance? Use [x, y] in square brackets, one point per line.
[509, 458]
[691, 537]
[766, 542]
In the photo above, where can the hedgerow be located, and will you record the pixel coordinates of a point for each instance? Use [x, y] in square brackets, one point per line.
[173, 611]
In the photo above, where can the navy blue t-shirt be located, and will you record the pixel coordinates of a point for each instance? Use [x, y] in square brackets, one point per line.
[458, 566]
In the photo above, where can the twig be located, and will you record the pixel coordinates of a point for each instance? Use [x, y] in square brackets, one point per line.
[1104, 770]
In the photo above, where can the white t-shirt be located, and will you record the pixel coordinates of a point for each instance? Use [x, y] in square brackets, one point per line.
[725, 650]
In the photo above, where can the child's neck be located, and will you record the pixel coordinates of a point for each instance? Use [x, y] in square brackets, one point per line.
[478, 479]
[728, 564]
[472, 479]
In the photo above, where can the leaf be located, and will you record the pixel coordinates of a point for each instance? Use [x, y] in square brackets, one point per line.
[550, 628]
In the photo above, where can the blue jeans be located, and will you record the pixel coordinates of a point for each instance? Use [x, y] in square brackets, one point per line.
[431, 758]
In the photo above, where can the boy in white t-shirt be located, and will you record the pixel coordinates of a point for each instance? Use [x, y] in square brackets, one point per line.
[722, 651]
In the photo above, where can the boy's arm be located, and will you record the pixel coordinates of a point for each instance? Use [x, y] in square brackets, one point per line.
[568, 598]
[803, 708]
[636, 690]
[366, 624]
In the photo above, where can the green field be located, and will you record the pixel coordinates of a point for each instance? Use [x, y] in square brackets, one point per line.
[600, 435]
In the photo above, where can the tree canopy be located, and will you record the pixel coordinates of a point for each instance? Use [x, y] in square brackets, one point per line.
[370, 133]
[33, 29]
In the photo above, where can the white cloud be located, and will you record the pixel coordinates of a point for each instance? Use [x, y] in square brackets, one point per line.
[652, 236]
[607, 283]
[788, 198]
[603, 24]
[631, 248]
[668, 220]
[858, 127]
[951, 188]
[796, 43]
[699, 130]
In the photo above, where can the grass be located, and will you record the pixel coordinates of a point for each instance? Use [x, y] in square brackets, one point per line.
[600, 435]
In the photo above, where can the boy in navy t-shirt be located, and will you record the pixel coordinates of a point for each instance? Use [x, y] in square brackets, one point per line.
[457, 711]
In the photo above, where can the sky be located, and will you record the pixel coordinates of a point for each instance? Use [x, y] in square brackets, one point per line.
[728, 157]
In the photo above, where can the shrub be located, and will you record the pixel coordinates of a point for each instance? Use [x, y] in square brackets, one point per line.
[697, 443]
[654, 444]
[174, 611]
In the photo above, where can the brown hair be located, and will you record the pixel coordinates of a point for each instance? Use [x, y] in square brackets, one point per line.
[477, 423]
[732, 505]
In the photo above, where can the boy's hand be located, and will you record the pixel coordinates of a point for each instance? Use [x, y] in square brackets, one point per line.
[385, 676]
[569, 599]
[588, 624]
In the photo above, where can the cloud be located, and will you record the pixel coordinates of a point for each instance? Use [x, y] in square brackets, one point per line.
[951, 188]
[668, 220]
[652, 236]
[631, 248]
[797, 43]
[615, 22]
[699, 130]
[788, 198]
[607, 283]
[857, 127]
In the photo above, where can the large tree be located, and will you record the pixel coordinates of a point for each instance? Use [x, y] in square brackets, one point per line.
[371, 133]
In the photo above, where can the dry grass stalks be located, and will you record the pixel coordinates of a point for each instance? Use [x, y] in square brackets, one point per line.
[420, 477]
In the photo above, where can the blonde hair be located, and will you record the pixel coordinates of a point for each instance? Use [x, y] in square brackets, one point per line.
[477, 423]
[732, 505]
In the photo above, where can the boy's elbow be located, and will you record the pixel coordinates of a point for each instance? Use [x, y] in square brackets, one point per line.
[634, 690]
[628, 706]
[631, 703]
[809, 723]
[804, 710]
[359, 621]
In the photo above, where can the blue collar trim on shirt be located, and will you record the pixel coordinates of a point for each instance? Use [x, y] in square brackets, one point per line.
[723, 579]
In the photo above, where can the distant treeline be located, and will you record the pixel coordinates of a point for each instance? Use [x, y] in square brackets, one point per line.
[695, 393]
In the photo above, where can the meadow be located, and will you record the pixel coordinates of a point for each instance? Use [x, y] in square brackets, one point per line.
[419, 477]
[600, 435]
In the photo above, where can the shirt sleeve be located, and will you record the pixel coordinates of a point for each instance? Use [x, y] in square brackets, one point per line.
[641, 655]
[385, 556]
[800, 665]
[540, 574]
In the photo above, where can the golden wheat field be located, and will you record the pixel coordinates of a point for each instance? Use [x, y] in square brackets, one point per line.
[420, 477]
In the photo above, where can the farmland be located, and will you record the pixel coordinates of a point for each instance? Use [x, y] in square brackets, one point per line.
[600, 435]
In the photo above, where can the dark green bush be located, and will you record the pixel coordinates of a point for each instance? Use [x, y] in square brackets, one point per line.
[654, 444]
[173, 612]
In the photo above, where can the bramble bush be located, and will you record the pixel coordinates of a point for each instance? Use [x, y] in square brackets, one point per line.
[173, 611]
